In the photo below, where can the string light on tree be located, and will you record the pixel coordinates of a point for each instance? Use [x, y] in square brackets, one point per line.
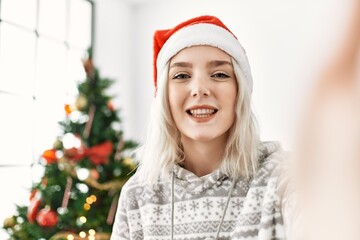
[70, 237]
[82, 234]
[83, 188]
[81, 221]
[92, 234]
[89, 200]
[82, 173]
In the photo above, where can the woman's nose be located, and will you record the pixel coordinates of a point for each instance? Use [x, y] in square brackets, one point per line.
[200, 87]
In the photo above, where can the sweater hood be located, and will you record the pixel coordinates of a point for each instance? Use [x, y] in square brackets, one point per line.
[195, 184]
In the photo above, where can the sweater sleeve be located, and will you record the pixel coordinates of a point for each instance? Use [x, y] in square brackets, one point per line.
[288, 197]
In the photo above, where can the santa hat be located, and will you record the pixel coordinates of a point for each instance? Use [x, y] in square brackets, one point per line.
[202, 30]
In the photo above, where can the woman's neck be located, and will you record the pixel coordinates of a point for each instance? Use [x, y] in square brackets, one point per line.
[202, 158]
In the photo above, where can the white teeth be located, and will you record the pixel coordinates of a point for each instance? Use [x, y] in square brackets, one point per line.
[202, 113]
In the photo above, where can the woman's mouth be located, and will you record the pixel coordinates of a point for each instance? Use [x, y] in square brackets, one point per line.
[201, 112]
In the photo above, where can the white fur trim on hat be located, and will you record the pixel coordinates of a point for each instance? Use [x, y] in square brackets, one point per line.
[205, 34]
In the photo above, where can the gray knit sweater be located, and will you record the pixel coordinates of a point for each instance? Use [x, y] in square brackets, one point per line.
[194, 212]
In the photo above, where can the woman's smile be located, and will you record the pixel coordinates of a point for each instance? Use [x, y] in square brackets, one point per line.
[202, 113]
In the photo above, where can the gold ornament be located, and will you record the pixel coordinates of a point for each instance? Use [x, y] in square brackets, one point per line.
[80, 102]
[57, 144]
[129, 161]
[9, 222]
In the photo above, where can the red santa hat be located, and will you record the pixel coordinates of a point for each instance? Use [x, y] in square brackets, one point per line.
[202, 30]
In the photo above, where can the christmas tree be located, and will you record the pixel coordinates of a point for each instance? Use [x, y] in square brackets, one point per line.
[83, 172]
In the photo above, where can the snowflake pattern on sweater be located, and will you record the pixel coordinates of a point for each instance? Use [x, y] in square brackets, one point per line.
[253, 212]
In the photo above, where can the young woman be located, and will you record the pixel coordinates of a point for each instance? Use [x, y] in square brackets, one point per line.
[203, 173]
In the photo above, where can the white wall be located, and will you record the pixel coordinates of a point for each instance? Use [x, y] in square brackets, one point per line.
[287, 42]
[113, 55]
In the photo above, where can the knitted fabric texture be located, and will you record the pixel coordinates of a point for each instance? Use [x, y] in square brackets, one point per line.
[254, 210]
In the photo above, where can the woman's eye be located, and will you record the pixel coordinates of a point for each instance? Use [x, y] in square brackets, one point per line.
[181, 76]
[220, 75]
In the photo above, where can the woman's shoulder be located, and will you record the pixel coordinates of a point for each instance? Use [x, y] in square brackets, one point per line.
[131, 184]
[276, 168]
[273, 164]
[272, 156]
[129, 192]
[135, 184]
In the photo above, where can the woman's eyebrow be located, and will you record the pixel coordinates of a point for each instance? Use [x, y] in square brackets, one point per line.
[180, 64]
[216, 63]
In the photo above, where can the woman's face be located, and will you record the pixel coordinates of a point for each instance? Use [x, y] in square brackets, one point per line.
[202, 93]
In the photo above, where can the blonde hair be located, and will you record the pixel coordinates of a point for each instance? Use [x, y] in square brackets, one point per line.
[163, 148]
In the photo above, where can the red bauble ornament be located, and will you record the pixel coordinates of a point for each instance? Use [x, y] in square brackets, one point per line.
[47, 218]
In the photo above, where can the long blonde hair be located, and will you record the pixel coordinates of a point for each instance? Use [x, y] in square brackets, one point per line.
[163, 148]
